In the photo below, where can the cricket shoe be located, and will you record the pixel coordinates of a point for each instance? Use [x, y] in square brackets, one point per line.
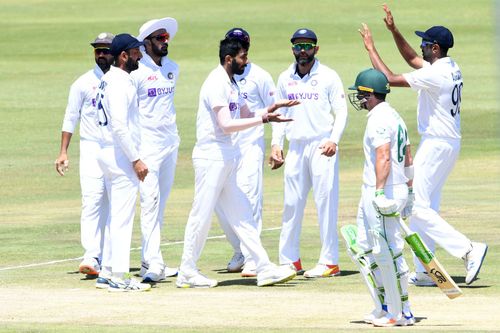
[274, 275]
[236, 263]
[158, 274]
[322, 271]
[390, 321]
[375, 314]
[474, 260]
[421, 279]
[249, 269]
[197, 281]
[89, 266]
[126, 285]
[102, 281]
[296, 266]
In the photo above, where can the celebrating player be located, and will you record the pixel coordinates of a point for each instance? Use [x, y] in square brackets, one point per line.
[384, 192]
[159, 143]
[120, 160]
[312, 159]
[258, 90]
[221, 114]
[439, 83]
[81, 107]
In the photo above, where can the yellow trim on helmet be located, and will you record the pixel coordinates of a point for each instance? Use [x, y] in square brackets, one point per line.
[365, 89]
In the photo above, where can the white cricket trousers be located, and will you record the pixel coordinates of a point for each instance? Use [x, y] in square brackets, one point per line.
[215, 182]
[122, 185]
[154, 191]
[94, 200]
[249, 180]
[305, 167]
[433, 162]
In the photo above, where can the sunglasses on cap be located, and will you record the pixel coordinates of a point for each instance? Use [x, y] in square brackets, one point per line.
[103, 50]
[426, 43]
[164, 37]
[303, 46]
[238, 34]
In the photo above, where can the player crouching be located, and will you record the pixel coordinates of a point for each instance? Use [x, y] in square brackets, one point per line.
[376, 245]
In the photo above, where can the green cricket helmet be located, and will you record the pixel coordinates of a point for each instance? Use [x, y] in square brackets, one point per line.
[368, 81]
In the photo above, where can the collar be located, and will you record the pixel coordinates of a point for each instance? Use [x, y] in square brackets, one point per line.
[98, 71]
[313, 71]
[377, 109]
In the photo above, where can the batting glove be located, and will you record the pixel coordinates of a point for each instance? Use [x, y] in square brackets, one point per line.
[383, 205]
[406, 212]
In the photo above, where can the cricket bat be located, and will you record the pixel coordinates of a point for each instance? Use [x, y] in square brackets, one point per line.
[433, 267]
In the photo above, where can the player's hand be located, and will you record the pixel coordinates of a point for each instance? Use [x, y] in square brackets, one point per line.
[328, 148]
[62, 164]
[366, 34]
[388, 19]
[141, 169]
[275, 118]
[384, 206]
[276, 159]
[282, 103]
[406, 212]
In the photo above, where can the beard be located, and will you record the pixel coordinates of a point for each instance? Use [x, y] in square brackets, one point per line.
[131, 64]
[160, 51]
[304, 60]
[235, 68]
[104, 64]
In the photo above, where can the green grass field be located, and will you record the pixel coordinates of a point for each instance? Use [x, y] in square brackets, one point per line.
[46, 47]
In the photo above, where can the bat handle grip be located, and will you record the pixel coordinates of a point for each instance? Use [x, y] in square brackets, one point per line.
[403, 225]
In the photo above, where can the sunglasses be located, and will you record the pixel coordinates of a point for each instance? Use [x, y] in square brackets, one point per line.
[238, 34]
[165, 37]
[303, 46]
[103, 50]
[426, 43]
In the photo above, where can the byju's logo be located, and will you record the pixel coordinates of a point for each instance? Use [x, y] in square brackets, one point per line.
[303, 96]
[152, 92]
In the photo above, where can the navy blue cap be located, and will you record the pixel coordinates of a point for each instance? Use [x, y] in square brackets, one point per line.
[304, 33]
[437, 34]
[123, 42]
[238, 33]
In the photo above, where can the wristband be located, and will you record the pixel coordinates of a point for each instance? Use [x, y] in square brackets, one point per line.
[409, 172]
[379, 192]
[410, 189]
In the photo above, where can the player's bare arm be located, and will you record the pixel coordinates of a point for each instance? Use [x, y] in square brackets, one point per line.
[382, 168]
[62, 162]
[328, 148]
[276, 158]
[395, 80]
[408, 53]
[141, 170]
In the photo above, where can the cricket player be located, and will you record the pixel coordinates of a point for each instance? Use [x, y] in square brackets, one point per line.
[81, 108]
[159, 140]
[117, 115]
[312, 159]
[222, 112]
[258, 90]
[438, 81]
[387, 170]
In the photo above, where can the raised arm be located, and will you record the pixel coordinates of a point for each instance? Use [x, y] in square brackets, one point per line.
[395, 80]
[408, 53]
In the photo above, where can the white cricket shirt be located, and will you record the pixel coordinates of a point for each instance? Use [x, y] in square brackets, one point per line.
[218, 90]
[155, 91]
[117, 112]
[439, 89]
[385, 125]
[258, 90]
[320, 92]
[81, 105]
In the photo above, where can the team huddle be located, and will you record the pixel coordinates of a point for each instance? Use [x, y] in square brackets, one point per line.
[129, 144]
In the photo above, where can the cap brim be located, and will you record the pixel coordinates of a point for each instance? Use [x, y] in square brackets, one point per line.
[352, 88]
[423, 35]
[167, 23]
